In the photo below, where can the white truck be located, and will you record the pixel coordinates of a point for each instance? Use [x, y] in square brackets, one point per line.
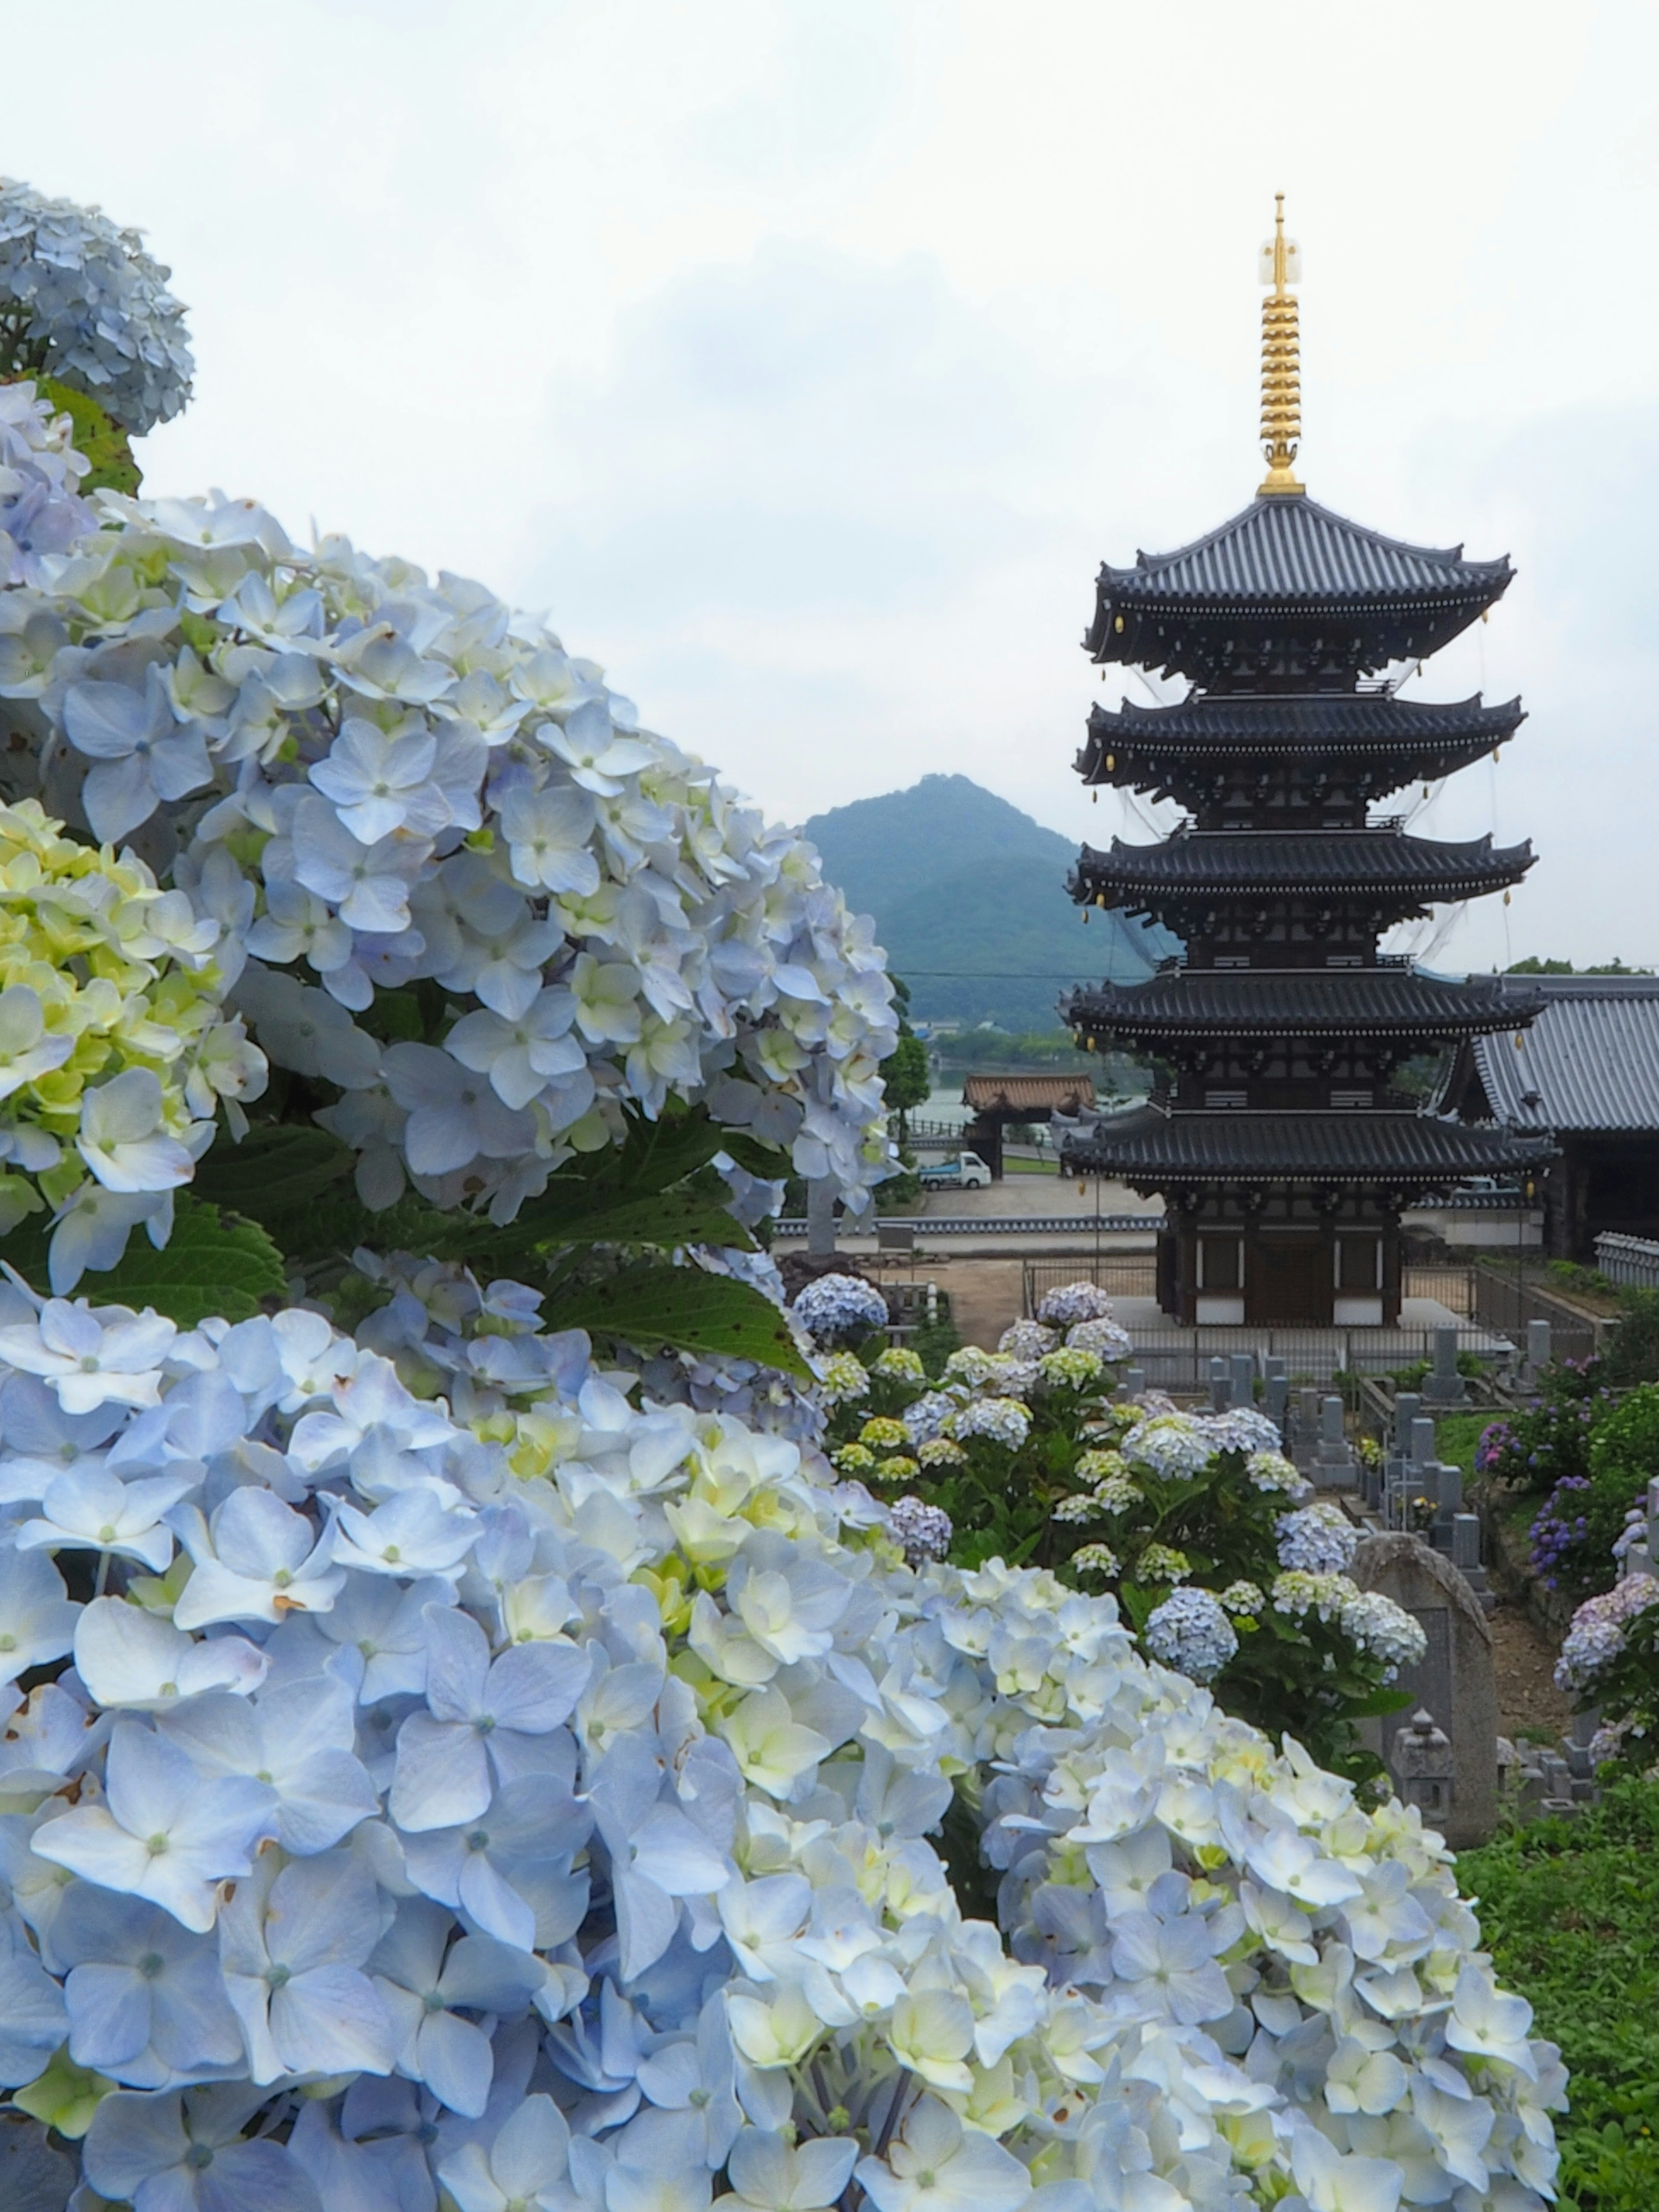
[962, 1171]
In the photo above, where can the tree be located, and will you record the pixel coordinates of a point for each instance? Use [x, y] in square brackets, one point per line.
[1532, 965]
[905, 1072]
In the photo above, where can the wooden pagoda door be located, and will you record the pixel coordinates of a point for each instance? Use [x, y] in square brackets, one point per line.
[1288, 1279]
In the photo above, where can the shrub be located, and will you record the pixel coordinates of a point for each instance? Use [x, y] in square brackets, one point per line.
[1192, 1523]
[1568, 1910]
[1573, 1537]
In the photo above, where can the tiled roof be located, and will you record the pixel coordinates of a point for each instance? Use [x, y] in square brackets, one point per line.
[1294, 548]
[1026, 1094]
[1297, 1001]
[1254, 863]
[1590, 1060]
[1146, 1145]
[1348, 722]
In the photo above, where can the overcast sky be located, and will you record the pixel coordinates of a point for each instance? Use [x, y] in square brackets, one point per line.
[804, 360]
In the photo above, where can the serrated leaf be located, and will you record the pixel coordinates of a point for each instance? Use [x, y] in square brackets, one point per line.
[277, 1164]
[212, 1264]
[649, 1306]
[582, 1216]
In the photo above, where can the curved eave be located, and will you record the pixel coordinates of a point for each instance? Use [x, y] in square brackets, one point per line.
[1109, 1010]
[1403, 1153]
[1183, 609]
[1111, 879]
[1224, 732]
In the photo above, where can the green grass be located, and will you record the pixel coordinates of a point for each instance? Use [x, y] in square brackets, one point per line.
[1457, 1435]
[1029, 1167]
[1569, 1910]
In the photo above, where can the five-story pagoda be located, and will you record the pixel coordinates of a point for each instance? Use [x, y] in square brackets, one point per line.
[1282, 1154]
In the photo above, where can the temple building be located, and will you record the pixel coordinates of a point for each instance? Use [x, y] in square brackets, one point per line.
[1282, 1152]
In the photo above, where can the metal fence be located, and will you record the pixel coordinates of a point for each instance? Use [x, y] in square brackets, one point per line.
[1175, 1358]
[1632, 1260]
[1504, 1303]
[1119, 1274]
[1080, 1225]
[1454, 1288]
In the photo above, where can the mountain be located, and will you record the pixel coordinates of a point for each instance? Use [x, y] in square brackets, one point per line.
[969, 897]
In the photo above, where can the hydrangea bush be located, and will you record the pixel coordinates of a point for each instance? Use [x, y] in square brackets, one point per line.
[1575, 1533]
[427, 863]
[1609, 1659]
[1197, 1524]
[530, 1793]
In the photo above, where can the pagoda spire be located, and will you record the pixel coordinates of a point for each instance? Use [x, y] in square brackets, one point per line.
[1281, 380]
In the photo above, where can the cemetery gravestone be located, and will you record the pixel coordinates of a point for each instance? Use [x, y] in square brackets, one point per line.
[1454, 1682]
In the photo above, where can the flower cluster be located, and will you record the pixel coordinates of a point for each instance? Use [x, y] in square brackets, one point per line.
[925, 1417]
[882, 1433]
[116, 1051]
[1559, 1529]
[1004, 1421]
[1027, 1339]
[1385, 1630]
[898, 1363]
[1191, 1632]
[1271, 1471]
[922, 1532]
[85, 304]
[41, 511]
[1242, 1597]
[367, 784]
[1369, 1620]
[1319, 1539]
[1102, 1336]
[1071, 1303]
[1241, 1429]
[841, 1379]
[1172, 1446]
[1597, 1635]
[521, 1789]
[1070, 1369]
[832, 1307]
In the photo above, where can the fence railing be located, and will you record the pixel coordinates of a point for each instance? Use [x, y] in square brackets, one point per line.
[1175, 1358]
[1119, 1274]
[1633, 1260]
[1504, 1303]
[927, 1225]
[1453, 1286]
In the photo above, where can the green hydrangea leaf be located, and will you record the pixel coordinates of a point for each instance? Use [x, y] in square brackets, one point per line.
[97, 435]
[214, 1263]
[283, 1175]
[649, 1306]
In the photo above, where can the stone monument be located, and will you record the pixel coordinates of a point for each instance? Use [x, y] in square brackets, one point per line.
[1454, 1683]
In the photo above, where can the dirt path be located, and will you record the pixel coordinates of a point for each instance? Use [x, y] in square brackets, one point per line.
[1529, 1704]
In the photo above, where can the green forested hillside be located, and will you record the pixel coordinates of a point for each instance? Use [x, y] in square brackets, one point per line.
[969, 897]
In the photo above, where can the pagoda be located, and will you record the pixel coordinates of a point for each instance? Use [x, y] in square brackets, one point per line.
[1282, 1154]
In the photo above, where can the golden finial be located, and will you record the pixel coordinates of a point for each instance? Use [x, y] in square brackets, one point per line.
[1281, 378]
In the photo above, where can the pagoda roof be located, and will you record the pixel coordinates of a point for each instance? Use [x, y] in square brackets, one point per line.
[1151, 1147]
[1589, 1061]
[1288, 595]
[1279, 549]
[1254, 863]
[1389, 1001]
[1253, 723]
